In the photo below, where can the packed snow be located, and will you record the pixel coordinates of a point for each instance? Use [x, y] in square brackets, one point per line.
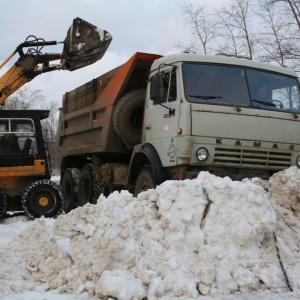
[194, 239]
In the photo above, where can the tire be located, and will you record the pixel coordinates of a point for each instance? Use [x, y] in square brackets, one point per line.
[3, 204]
[43, 198]
[88, 189]
[69, 186]
[145, 181]
[128, 116]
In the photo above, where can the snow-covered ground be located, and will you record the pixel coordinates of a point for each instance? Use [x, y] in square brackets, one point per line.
[209, 238]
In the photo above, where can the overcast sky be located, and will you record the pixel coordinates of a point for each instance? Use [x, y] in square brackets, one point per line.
[152, 26]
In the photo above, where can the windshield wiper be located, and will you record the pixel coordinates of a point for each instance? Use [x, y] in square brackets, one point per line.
[205, 97]
[264, 102]
[273, 104]
[215, 97]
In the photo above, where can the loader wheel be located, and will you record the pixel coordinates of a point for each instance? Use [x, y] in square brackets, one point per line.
[69, 186]
[88, 189]
[145, 181]
[128, 116]
[43, 198]
[3, 204]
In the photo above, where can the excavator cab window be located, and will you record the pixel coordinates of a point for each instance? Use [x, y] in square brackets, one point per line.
[17, 137]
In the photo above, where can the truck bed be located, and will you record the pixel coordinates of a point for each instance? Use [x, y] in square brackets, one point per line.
[85, 121]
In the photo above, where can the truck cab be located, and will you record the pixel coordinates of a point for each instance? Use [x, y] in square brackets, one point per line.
[230, 116]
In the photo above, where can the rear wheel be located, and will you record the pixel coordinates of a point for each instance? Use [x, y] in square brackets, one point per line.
[69, 186]
[3, 204]
[145, 181]
[43, 198]
[88, 189]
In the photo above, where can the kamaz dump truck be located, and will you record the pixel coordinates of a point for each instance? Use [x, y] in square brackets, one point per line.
[157, 118]
[25, 172]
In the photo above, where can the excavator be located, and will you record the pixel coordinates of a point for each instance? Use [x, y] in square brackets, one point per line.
[25, 169]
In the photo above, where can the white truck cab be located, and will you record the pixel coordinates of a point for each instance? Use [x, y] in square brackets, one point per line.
[230, 116]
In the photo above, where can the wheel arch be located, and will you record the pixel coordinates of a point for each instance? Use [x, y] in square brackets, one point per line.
[145, 154]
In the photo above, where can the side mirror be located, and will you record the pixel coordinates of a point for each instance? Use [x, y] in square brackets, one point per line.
[154, 82]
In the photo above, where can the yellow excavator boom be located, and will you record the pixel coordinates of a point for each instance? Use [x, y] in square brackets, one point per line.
[84, 45]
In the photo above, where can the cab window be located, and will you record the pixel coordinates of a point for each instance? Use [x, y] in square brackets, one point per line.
[17, 137]
[167, 91]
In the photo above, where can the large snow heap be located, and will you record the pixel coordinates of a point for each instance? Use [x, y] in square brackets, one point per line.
[185, 238]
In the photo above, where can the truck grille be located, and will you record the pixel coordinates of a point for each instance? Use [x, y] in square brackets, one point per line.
[254, 158]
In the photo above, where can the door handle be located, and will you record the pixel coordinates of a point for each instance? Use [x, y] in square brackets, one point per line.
[149, 127]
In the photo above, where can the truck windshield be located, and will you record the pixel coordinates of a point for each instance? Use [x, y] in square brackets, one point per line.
[238, 86]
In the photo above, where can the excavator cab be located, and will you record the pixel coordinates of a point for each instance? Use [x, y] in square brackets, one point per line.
[84, 45]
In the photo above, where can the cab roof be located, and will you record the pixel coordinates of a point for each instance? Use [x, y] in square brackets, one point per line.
[41, 114]
[220, 59]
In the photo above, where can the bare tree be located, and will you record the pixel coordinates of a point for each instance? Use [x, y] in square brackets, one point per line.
[295, 9]
[290, 12]
[202, 25]
[227, 30]
[228, 44]
[236, 18]
[266, 30]
[292, 7]
[274, 37]
[50, 124]
[24, 98]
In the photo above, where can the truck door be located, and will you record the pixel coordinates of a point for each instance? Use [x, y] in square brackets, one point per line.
[162, 116]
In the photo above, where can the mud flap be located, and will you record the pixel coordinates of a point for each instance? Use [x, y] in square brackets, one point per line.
[84, 44]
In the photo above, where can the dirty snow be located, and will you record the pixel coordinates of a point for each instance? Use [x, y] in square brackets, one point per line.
[206, 238]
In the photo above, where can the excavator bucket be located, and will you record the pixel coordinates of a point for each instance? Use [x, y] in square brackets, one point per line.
[84, 45]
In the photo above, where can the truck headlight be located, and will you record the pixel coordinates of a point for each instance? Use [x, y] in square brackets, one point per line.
[202, 154]
[298, 160]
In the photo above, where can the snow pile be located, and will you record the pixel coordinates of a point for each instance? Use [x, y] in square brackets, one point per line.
[185, 238]
[284, 190]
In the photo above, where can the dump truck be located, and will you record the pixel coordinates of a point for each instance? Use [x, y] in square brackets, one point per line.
[25, 171]
[158, 118]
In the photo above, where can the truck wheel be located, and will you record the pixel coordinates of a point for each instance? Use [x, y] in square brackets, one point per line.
[145, 181]
[88, 188]
[69, 186]
[3, 204]
[43, 198]
[128, 116]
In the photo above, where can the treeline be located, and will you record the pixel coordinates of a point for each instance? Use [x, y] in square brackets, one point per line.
[263, 30]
